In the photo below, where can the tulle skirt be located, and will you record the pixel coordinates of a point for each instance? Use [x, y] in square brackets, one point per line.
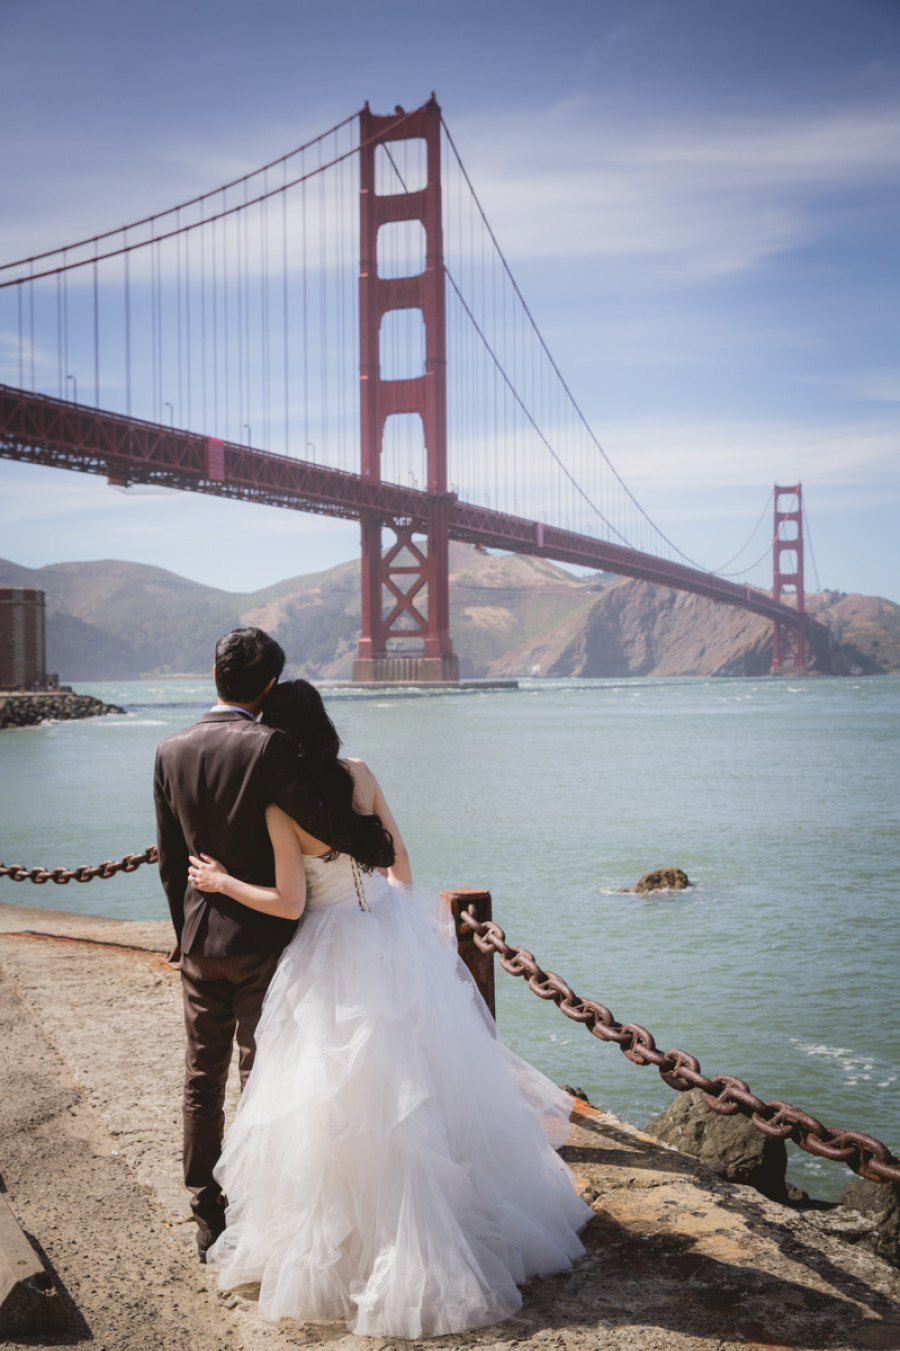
[391, 1161]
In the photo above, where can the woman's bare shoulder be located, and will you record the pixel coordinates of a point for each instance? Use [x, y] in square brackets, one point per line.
[357, 766]
[276, 815]
[365, 784]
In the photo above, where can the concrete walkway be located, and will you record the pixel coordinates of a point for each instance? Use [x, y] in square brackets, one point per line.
[91, 1045]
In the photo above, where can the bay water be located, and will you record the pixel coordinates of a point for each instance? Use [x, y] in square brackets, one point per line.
[779, 798]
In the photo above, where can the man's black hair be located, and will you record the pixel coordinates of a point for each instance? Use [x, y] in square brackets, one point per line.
[246, 660]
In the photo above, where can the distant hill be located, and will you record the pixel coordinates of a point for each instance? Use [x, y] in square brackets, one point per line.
[634, 628]
[868, 624]
[509, 615]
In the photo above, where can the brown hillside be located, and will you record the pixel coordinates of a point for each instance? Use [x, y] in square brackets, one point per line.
[509, 616]
[635, 628]
[869, 624]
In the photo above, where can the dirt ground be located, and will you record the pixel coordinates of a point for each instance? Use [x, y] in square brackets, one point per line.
[91, 1040]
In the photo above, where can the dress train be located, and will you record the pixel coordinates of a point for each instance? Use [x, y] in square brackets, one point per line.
[390, 1161]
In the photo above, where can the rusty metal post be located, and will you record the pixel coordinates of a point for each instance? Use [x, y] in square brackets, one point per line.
[480, 964]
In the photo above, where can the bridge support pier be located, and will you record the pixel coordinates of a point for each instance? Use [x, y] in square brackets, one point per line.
[398, 668]
[405, 622]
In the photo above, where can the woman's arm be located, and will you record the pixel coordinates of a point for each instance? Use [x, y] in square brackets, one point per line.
[288, 896]
[400, 870]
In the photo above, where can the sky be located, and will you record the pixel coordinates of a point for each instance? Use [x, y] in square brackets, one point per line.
[700, 202]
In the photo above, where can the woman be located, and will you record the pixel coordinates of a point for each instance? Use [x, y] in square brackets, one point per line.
[386, 1163]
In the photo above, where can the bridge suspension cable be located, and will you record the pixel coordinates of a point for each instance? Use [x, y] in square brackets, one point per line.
[235, 316]
[504, 374]
[158, 238]
[175, 210]
[807, 536]
[563, 392]
[232, 314]
[720, 571]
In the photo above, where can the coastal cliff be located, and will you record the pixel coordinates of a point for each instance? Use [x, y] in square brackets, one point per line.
[636, 629]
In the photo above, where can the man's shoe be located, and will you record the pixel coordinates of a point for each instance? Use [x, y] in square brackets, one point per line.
[205, 1239]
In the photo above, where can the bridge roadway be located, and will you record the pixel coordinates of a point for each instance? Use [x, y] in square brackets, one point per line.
[37, 429]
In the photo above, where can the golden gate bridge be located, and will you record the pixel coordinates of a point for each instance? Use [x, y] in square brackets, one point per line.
[213, 348]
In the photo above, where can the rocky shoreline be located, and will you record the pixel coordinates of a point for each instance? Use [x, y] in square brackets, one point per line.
[865, 1213]
[28, 710]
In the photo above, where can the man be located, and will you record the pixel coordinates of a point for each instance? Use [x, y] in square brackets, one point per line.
[212, 784]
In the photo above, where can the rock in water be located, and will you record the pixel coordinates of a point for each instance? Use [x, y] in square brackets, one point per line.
[729, 1145]
[878, 1201]
[663, 879]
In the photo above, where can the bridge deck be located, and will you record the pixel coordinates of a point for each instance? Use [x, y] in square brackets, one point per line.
[55, 432]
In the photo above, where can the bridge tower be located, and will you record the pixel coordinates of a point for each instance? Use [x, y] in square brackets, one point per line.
[395, 582]
[789, 641]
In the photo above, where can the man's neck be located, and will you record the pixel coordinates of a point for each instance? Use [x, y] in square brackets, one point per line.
[252, 709]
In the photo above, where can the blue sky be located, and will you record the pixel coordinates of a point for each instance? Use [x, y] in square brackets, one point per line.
[699, 200]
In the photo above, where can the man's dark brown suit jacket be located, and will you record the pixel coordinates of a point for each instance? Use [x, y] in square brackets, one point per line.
[211, 786]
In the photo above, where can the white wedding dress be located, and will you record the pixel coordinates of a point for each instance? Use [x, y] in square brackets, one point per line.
[390, 1161]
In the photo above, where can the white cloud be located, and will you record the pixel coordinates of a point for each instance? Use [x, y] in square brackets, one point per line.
[709, 198]
[662, 453]
[712, 196]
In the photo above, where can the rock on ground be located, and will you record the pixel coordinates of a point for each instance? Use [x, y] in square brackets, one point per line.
[881, 1205]
[729, 1145]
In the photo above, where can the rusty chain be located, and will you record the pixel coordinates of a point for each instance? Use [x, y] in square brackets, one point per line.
[17, 872]
[865, 1155]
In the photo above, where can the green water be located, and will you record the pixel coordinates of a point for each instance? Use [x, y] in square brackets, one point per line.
[780, 799]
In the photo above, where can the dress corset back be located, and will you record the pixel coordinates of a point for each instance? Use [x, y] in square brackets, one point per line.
[339, 882]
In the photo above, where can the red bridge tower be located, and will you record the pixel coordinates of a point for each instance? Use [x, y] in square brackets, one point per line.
[395, 584]
[789, 640]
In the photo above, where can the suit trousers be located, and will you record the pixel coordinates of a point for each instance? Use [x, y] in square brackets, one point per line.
[223, 998]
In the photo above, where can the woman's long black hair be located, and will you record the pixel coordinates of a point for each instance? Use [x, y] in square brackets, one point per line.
[295, 707]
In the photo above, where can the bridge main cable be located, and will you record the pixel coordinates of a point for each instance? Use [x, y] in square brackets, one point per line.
[559, 375]
[96, 257]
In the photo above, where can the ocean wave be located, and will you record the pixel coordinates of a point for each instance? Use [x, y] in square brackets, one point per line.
[154, 704]
[136, 722]
[690, 890]
[858, 1068]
